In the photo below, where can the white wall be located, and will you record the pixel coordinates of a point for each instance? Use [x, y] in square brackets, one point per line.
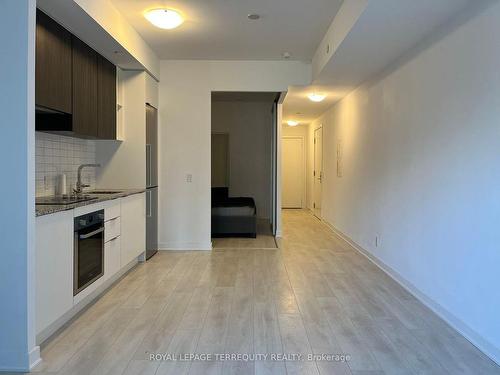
[17, 191]
[249, 126]
[344, 20]
[123, 164]
[422, 171]
[185, 128]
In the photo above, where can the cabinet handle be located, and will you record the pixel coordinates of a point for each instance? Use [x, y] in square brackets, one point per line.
[88, 235]
[148, 213]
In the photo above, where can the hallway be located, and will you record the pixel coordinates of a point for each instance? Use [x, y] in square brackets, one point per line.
[313, 295]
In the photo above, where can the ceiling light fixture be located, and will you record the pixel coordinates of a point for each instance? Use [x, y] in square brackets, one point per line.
[292, 123]
[253, 16]
[164, 18]
[314, 97]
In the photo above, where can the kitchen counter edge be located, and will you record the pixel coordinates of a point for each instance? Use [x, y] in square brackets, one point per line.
[42, 210]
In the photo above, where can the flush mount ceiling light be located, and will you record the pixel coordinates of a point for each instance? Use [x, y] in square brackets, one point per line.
[164, 18]
[253, 16]
[292, 123]
[315, 97]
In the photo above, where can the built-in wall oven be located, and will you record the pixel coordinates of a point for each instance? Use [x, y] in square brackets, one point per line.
[88, 250]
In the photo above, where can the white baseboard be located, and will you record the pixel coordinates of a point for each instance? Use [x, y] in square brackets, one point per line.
[34, 357]
[185, 246]
[9, 356]
[465, 330]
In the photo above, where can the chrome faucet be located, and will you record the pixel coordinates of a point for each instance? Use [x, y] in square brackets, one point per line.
[79, 184]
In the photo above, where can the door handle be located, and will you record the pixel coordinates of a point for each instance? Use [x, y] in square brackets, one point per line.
[88, 235]
[148, 213]
[148, 161]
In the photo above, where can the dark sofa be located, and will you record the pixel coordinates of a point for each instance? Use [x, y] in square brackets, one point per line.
[233, 216]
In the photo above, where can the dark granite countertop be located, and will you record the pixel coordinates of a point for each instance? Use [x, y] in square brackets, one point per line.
[45, 209]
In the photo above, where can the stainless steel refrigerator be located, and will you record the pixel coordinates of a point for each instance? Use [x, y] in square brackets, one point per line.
[151, 181]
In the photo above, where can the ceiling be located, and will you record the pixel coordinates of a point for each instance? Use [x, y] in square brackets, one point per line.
[298, 107]
[220, 30]
[386, 34]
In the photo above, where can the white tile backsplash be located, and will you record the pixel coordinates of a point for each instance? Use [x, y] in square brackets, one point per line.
[56, 155]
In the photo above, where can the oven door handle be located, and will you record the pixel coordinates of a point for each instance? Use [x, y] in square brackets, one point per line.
[88, 235]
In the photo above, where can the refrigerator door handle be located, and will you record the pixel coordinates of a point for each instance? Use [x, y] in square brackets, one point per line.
[148, 200]
[148, 167]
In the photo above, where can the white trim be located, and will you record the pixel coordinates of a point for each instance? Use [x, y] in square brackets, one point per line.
[466, 331]
[33, 360]
[185, 246]
[34, 357]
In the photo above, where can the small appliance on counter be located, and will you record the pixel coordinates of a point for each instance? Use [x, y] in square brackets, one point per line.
[62, 188]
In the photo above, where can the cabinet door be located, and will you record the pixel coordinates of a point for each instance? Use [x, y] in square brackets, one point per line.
[84, 89]
[54, 267]
[106, 99]
[53, 65]
[133, 227]
[112, 257]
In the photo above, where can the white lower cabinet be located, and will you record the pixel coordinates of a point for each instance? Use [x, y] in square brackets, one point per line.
[133, 227]
[112, 257]
[125, 240]
[54, 267]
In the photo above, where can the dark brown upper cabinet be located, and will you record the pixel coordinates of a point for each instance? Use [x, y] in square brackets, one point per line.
[75, 86]
[53, 65]
[106, 99]
[84, 90]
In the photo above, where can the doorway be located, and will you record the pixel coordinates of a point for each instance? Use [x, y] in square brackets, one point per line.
[318, 171]
[243, 164]
[293, 172]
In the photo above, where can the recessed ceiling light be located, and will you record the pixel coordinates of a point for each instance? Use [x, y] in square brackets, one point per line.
[292, 123]
[286, 55]
[315, 97]
[253, 16]
[164, 18]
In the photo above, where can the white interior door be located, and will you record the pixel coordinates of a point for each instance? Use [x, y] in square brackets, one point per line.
[293, 172]
[318, 171]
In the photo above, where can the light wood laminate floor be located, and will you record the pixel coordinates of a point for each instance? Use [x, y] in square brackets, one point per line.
[313, 295]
